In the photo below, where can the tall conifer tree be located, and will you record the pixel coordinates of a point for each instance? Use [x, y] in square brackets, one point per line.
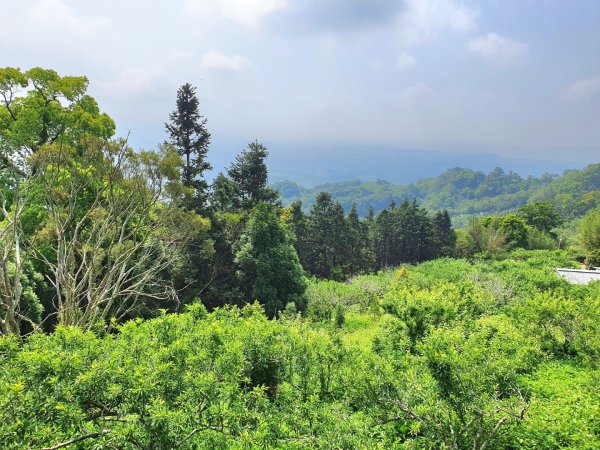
[188, 133]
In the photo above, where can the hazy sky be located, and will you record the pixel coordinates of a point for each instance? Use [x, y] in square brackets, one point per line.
[513, 77]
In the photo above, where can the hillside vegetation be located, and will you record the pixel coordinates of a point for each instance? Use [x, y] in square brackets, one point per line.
[464, 192]
[142, 307]
[449, 354]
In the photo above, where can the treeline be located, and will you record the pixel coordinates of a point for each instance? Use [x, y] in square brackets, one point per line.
[332, 245]
[464, 192]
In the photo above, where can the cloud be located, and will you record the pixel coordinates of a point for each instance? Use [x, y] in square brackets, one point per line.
[250, 12]
[133, 81]
[56, 14]
[422, 19]
[497, 49]
[218, 60]
[245, 12]
[417, 91]
[342, 15]
[405, 61]
[413, 20]
[583, 89]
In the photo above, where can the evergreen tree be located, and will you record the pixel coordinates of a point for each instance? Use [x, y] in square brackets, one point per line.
[298, 224]
[269, 270]
[402, 234]
[187, 130]
[381, 238]
[223, 193]
[370, 214]
[250, 176]
[327, 238]
[444, 238]
[360, 257]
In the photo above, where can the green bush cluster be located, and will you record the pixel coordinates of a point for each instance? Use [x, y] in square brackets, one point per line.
[483, 354]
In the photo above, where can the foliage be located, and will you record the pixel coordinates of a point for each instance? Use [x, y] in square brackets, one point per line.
[187, 129]
[479, 238]
[269, 270]
[486, 352]
[464, 192]
[40, 107]
[326, 244]
[541, 215]
[590, 236]
[450, 366]
[246, 182]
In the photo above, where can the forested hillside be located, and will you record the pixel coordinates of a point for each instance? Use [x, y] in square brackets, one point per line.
[464, 192]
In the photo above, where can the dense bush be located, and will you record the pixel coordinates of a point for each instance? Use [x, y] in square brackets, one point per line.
[484, 354]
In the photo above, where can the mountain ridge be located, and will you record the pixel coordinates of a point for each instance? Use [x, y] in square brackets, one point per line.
[315, 164]
[463, 192]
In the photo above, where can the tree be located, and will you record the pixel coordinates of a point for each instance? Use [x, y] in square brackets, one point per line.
[590, 236]
[18, 301]
[250, 176]
[478, 238]
[327, 238]
[40, 107]
[298, 224]
[111, 232]
[360, 256]
[381, 238]
[187, 129]
[402, 234]
[444, 238]
[269, 269]
[511, 226]
[541, 215]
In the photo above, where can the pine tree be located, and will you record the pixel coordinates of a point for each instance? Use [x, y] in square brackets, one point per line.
[187, 130]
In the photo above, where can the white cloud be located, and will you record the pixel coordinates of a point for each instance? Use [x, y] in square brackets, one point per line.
[405, 61]
[417, 91]
[583, 89]
[133, 81]
[218, 60]
[246, 12]
[422, 19]
[250, 12]
[497, 49]
[55, 13]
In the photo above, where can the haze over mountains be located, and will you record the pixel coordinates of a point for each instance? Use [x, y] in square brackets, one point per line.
[310, 165]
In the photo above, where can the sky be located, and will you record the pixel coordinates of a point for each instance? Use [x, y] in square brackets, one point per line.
[519, 78]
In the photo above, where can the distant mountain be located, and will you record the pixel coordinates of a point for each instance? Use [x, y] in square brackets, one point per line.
[463, 192]
[315, 164]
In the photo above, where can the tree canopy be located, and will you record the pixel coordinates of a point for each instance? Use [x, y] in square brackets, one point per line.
[40, 107]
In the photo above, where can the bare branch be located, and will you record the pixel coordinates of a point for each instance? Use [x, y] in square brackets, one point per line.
[83, 437]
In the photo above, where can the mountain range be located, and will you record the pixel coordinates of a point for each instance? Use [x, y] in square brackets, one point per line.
[463, 192]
